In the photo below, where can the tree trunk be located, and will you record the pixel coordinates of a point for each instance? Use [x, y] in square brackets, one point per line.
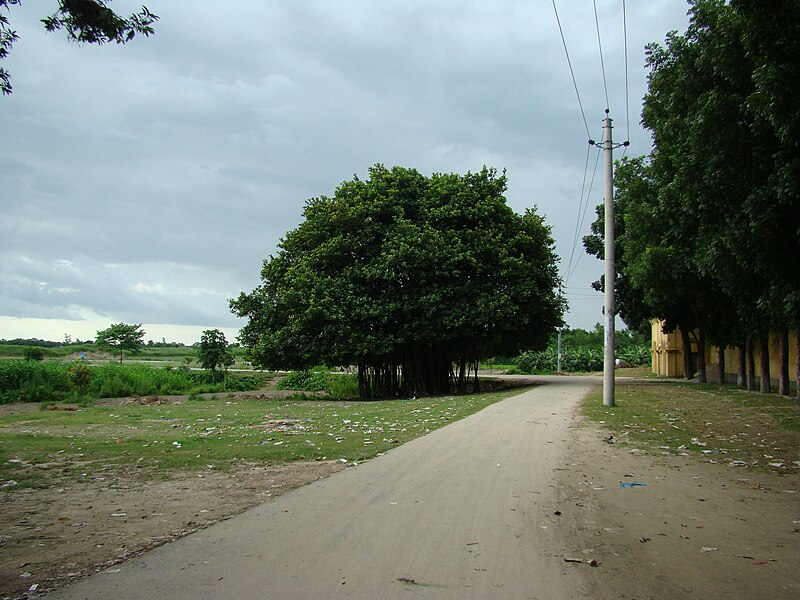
[751, 366]
[701, 357]
[721, 354]
[688, 373]
[797, 366]
[741, 374]
[783, 349]
[763, 340]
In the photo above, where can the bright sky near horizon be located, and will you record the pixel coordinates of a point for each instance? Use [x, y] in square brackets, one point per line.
[146, 183]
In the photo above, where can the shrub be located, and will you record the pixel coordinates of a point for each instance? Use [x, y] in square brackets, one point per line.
[80, 376]
[579, 360]
[306, 381]
[338, 386]
[343, 386]
[33, 381]
[33, 353]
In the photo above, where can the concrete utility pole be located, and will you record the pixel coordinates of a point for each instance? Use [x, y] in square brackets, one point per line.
[559, 351]
[610, 273]
[609, 279]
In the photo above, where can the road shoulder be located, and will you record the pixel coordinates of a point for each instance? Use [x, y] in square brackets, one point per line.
[695, 530]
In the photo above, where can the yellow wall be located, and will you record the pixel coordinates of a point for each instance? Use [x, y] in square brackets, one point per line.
[667, 351]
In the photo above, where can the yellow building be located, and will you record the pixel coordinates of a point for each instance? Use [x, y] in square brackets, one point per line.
[667, 351]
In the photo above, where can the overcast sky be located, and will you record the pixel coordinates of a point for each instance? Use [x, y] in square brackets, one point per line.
[146, 183]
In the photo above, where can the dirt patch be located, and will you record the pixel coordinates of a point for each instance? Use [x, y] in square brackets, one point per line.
[694, 530]
[17, 407]
[51, 537]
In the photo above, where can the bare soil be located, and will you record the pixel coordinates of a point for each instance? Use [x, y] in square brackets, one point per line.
[695, 530]
[49, 537]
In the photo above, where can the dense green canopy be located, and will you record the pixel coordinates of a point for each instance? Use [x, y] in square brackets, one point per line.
[411, 278]
[710, 221]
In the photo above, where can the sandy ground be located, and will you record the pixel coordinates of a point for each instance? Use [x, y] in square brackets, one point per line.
[696, 530]
[51, 537]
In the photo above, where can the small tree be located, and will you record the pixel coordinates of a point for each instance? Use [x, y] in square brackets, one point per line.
[121, 338]
[80, 376]
[212, 352]
[33, 353]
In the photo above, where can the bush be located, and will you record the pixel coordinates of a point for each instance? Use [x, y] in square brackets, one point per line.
[338, 386]
[343, 386]
[243, 383]
[306, 381]
[636, 355]
[579, 360]
[33, 381]
[80, 376]
[33, 353]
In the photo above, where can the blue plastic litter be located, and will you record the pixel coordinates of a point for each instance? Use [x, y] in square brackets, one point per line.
[631, 484]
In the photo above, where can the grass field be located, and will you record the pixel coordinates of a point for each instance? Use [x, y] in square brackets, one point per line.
[726, 425]
[40, 448]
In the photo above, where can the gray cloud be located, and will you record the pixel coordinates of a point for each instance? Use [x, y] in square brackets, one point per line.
[147, 182]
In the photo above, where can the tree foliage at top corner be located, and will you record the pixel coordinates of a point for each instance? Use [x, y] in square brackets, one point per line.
[405, 276]
[85, 21]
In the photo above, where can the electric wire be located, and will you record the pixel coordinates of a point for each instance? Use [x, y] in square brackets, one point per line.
[583, 203]
[582, 208]
[578, 214]
[600, 46]
[572, 72]
[583, 217]
[627, 95]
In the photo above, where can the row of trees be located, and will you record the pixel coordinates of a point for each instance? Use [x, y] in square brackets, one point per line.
[708, 225]
[413, 279]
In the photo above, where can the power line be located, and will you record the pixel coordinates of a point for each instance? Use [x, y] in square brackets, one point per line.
[578, 214]
[627, 95]
[572, 72]
[600, 45]
[582, 208]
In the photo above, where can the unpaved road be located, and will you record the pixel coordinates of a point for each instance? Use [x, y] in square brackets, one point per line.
[464, 512]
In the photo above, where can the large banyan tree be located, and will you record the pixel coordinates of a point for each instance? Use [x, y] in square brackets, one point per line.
[410, 278]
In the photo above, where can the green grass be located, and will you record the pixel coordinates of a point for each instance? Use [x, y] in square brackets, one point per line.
[718, 424]
[44, 448]
[50, 381]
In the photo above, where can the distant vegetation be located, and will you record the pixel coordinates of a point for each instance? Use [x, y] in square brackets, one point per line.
[582, 352]
[53, 381]
[339, 385]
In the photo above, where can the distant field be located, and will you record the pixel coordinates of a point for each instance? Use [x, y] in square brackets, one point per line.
[163, 356]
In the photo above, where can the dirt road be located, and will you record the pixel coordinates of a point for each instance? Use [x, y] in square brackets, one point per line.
[464, 512]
